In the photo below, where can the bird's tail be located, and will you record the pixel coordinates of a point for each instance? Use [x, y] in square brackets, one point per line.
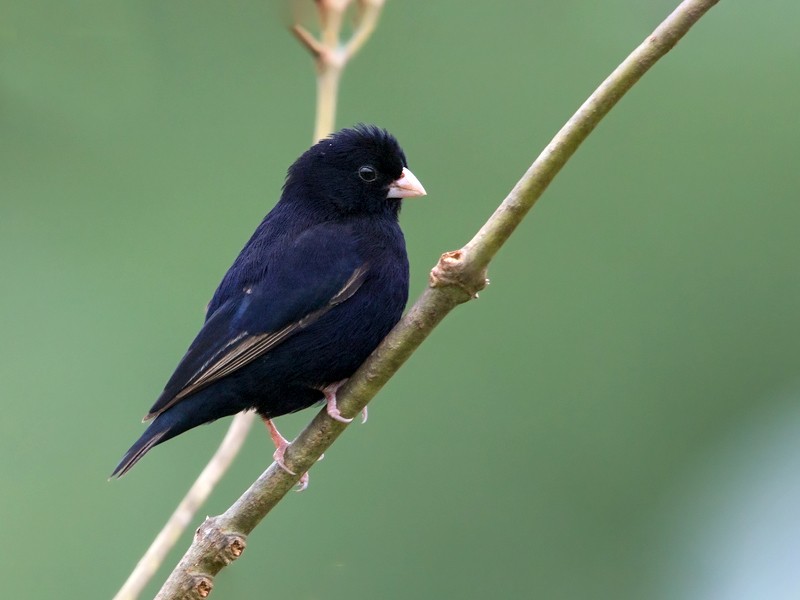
[167, 425]
[149, 439]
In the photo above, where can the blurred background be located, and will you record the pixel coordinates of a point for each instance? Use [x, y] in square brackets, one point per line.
[617, 417]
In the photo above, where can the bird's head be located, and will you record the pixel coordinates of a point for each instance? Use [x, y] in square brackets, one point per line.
[361, 170]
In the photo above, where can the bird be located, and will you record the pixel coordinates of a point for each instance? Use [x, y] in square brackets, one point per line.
[319, 284]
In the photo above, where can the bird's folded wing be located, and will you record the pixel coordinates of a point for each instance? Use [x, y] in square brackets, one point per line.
[317, 272]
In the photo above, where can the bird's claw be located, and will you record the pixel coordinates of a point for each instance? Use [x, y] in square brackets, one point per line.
[333, 409]
[330, 402]
[281, 444]
[277, 456]
[303, 483]
[333, 413]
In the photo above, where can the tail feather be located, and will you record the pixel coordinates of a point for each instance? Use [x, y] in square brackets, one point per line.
[202, 407]
[165, 426]
[138, 450]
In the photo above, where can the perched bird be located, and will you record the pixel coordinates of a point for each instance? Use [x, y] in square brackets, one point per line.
[319, 284]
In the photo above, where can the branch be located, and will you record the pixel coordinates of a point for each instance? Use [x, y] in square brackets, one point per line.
[457, 277]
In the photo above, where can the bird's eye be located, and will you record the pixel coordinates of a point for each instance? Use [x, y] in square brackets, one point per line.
[368, 173]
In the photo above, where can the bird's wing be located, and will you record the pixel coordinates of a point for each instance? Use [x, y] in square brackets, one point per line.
[320, 270]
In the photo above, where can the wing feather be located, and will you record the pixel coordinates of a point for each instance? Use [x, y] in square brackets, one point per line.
[245, 348]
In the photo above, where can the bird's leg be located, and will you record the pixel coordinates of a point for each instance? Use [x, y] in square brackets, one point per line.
[331, 406]
[281, 443]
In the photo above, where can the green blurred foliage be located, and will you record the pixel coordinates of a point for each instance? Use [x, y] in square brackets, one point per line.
[616, 417]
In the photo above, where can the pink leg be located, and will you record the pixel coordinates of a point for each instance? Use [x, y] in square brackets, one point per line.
[281, 443]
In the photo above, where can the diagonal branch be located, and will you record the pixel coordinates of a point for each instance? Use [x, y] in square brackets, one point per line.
[457, 277]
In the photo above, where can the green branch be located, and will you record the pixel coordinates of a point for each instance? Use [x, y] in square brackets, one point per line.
[457, 277]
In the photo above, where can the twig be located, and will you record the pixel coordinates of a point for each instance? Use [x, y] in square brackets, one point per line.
[331, 13]
[183, 515]
[331, 56]
[457, 277]
[370, 11]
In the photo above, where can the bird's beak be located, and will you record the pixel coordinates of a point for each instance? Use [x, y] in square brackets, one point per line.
[408, 186]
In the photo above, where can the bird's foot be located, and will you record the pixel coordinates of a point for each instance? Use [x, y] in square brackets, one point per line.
[333, 409]
[281, 444]
[330, 402]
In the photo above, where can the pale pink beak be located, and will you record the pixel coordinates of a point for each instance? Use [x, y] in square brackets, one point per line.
[408, 186]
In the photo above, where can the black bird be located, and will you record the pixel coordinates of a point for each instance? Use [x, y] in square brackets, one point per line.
[320, 283]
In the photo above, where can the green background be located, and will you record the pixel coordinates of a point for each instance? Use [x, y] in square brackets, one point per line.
[616, 417]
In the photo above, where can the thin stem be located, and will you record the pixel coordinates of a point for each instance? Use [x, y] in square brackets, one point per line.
[368, 21]
[327, 93]
[308, 40]
[331, 56]
[455, 279]
[331, 14]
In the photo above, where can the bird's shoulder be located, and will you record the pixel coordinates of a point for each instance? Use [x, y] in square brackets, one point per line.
[283, 235]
